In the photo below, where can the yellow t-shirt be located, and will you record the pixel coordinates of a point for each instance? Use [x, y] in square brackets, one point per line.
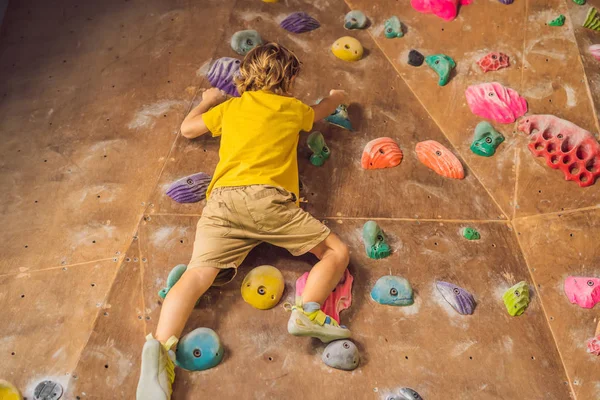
[259, 140]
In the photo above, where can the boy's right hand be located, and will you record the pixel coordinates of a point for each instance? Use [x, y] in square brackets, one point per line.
[340, 96]
[214, 96]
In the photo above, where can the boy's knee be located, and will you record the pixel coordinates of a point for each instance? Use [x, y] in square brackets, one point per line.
[343, 253]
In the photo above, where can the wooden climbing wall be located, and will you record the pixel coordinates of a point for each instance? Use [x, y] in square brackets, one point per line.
[91, 100]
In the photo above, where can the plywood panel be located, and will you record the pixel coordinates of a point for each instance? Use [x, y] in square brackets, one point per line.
[110, 361]
[428, 346]
[47, 317]
[555, 247]
[96, 136]
[548, 50]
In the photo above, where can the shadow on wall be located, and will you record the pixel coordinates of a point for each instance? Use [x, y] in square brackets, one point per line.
[3, 5]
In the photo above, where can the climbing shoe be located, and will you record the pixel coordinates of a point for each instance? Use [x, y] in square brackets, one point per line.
[315, 324]
[158, 370]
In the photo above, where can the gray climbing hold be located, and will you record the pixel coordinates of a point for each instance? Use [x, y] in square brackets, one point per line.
[409, 394]
[355, 20]
[48, 390]
[244, 41]
[341, 354]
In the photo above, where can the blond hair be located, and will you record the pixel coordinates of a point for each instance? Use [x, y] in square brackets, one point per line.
[268, 67]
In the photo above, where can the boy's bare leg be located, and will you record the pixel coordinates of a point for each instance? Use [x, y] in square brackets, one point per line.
[326, 274]
[180, 301]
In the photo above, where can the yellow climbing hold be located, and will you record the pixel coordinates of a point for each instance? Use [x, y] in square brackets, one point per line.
[263, 287]
[9, 392]
[270, 1]
[347, 48]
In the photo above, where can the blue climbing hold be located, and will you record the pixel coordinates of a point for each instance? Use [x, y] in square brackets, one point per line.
[340, 117]
[392, 290]
[199, 350]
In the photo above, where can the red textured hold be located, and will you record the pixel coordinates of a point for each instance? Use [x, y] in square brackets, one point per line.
[565, 146]
[494, 61]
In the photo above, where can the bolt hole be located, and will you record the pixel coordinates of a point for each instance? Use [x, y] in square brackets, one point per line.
[13, 353]
[92, 284]
[105, 365]
[406, 357]
[532, 357]
[22, 296]
[270, 358]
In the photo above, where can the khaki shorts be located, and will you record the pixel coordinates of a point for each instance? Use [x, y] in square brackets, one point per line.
[237, 219]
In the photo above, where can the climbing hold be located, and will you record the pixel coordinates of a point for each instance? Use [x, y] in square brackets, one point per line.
[442, 65]
[579, 2]
[516, 299]
[299, 22]
[486, 140]
[244, 41]
[189, 189]
[593, 345]
[381, 153]
[409, 394]
[470, 234]
[340, 117]
[506, 2]
[48, 390]
[8, 391]
[595, 51]
[392, 290]
[262, 287]
[565, 146]
[355, 20]
[338, 300]
[221, 74]
[347, 48]
[461, 300]
[199, 350]
[415, 58]
[558, 21]
[445, 9]
[493, 61]
[374, 240]
[393, 28]
[438, 158]
[341, 354]
[592, 20]
[496, 102]
[583, 291]
[316, 144]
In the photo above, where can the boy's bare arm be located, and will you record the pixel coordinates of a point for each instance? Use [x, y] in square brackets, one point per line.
[193, 125]
[329, 104]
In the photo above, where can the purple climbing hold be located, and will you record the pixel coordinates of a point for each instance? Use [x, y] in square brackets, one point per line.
[461, 300]
[189, 189]
[507, 2]
[299, 22]
[221, 74]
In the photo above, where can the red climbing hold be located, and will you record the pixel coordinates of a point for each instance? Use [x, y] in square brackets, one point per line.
[565, 146]
[440, 159]
[494, 61]
[379, 153]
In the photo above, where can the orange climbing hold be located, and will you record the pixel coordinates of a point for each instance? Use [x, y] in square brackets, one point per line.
[435, 156]
[381, 153]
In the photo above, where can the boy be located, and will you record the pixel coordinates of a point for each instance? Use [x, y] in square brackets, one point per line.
[252, 198]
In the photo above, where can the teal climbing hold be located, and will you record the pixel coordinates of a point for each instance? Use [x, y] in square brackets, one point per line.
[442, 65]
[199, 350]
[316, 144]
[486, 140]
[393, 28]
[374, 239]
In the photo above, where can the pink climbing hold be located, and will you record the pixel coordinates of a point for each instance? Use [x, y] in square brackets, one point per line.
[445, 9]
[583, 291]
[496, 102]
[595, 51]
[565, 146]
[339, 300]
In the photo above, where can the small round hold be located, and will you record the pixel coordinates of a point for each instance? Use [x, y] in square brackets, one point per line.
[347, 48]
[341, 354]
[244, 41]
[415, 58]
[199, 350]
[263, 287]
[48, 390]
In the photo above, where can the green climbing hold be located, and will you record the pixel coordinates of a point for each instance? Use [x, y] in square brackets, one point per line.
[442, 65]
[580, 2]
[516, 299]
[486, 140]
[375, 244]
[592, 20]
[558, 21]
[393, 28]
[316, 144]
[471, 234]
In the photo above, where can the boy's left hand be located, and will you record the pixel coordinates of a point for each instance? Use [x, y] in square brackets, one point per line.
[214, 96]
